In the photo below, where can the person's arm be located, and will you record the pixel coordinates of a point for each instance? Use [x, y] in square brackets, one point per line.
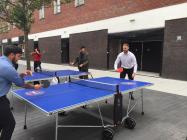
[32, 53]
[117, 61]
[36, 51]
[135, 66]
[12, 75]
[75, 61]
[134, 63]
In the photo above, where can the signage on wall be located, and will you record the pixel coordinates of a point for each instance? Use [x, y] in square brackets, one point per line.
[179, 38]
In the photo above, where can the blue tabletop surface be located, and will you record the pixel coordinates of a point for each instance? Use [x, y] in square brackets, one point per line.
[62, 96]
[50, 74]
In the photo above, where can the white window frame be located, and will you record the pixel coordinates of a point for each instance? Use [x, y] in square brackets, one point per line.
[57, 6]
[79, 2]
[42, 12]
[8, 26]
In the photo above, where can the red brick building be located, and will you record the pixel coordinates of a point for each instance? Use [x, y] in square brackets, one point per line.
[152, 27]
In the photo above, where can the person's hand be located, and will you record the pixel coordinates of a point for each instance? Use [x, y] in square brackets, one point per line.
[119, 70]
[133, 75]
[71, 63]
[22, 75]
[37, 51]
[37, 86]
[28, 72]
[80, 65]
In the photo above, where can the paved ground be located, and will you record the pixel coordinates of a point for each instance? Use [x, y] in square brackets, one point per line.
[164, 119]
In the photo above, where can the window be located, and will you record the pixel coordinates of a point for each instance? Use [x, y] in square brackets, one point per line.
[79, 3]
[8, 26]
[57, 6]
[41, 12]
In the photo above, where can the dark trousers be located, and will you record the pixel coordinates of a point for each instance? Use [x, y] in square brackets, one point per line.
[128, 72]
[83, 70]
[7, 121]
[36, 65]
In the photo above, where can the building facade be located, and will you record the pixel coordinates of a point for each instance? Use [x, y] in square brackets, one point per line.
[155, 30]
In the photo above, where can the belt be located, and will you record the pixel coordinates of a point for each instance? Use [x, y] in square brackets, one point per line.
[127, 68]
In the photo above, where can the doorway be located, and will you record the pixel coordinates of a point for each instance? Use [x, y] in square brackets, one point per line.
[148, 55]
[65, 50]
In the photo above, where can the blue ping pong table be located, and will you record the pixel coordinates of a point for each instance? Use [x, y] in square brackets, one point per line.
[48, 75]
[77, 93]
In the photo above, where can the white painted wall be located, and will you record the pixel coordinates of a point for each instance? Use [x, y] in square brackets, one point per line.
[138, 21]
[15, 39]
[4, 40]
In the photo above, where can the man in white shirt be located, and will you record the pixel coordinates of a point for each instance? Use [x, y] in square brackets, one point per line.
[128, 62]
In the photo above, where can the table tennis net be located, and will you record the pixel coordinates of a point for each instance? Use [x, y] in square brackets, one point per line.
[95, 84]
[60, 72]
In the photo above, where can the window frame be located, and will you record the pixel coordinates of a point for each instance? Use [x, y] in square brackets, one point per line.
[57, 7]
[79, 3]
[42, 12]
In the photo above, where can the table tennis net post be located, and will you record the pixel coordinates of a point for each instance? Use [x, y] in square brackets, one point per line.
[95, 84]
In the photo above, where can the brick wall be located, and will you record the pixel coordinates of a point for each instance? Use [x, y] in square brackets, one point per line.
[93, 10]
[50, 48]
[96, 44]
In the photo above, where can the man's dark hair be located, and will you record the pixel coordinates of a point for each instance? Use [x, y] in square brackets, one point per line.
[127, 44]
[82, 47]
[12, 49]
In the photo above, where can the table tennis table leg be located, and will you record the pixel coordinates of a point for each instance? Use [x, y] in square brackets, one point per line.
[56, 127]
[100, 114]
[90, 75]
[142, 101]
[25, 124]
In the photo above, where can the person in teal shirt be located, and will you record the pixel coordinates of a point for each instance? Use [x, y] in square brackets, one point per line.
[9, 75]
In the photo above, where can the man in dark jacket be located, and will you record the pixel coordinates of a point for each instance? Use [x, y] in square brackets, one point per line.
[82, 61]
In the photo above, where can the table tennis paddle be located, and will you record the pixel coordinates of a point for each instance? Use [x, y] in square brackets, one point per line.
[119, 70]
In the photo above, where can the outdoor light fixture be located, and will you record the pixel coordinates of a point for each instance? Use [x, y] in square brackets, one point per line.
[179, 38]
